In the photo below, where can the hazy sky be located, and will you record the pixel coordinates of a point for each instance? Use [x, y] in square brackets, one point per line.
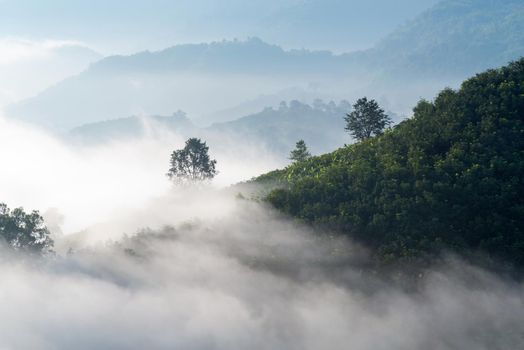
[45, 41]
[129, 25]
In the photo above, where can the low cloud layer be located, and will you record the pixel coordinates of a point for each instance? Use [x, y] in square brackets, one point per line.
[89, 185]
[209, 271]
[247, 278]
[15, 50]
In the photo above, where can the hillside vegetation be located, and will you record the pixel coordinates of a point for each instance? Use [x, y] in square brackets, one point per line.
[450, 177]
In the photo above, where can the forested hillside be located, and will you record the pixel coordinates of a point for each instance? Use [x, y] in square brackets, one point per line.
[449, 177]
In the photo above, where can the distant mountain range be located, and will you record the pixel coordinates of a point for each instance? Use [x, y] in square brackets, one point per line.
[134, 127]
[455, 38]
[340, 25]
[252, 56]
[275, 130]
[441, 47]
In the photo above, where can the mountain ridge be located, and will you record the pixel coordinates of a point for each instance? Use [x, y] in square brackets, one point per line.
[441, 47]
[276, 130]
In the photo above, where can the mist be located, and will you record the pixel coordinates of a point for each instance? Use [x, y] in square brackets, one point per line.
[91, 184]
[28, 67]
[367, 192]
[238, 275]
[140, 263]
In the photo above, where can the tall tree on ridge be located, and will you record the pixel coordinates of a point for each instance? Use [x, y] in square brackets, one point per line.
[366, 120]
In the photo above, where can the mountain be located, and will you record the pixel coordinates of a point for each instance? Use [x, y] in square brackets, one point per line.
[252, 56]
[452, 39]
[439, 48]
[187, 77]
[320, 125]
[321, 24]
[339, 25]
[449, 178]
[306, 95]
[274, 130]
[123, 129]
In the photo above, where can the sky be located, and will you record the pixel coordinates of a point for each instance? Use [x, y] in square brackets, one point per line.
[44, 42]
[128, 26]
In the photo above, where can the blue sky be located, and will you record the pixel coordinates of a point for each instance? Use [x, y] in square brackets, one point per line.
[132, 25]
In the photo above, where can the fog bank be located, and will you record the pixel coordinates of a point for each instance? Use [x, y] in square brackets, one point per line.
[91, 184]
[245, 277]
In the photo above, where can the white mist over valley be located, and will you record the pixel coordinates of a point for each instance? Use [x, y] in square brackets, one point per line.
[202, 175]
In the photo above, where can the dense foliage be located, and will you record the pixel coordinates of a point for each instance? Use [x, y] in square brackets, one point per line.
[192, 163]
[450, 177]
[24, 232]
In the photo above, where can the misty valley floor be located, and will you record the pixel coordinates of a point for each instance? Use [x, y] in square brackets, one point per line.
[262, 175]
[241, 276]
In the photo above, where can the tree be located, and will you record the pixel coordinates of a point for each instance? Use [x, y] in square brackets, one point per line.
[367, 119]
[450, 177]
[300, 153]
[192, 163]
[24, 232]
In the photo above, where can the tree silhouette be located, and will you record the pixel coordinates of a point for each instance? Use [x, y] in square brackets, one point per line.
[366, 120]
[300, 153]
[192, 164]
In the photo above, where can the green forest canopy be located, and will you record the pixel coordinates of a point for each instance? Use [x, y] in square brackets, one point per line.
[449, 177]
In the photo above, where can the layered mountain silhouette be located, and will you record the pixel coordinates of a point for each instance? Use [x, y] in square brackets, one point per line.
[454, 38]
[439, 48]
[276, 130]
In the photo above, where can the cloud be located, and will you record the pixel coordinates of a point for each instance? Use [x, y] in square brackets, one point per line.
[209, 271]
[89, 185]
[15, 50]
[242, 278]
